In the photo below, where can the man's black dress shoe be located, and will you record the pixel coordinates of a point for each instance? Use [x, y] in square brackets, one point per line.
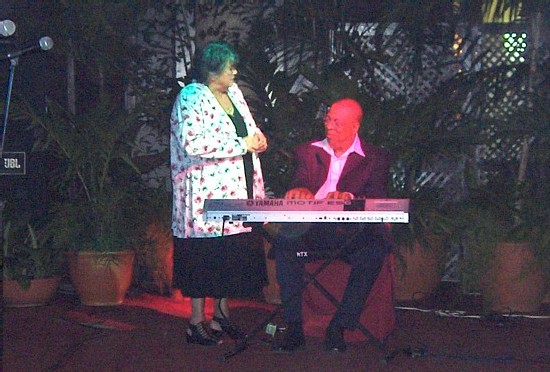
[292, 339]
[334, 338]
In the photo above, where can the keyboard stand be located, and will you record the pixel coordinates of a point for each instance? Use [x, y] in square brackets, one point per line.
[309, 278]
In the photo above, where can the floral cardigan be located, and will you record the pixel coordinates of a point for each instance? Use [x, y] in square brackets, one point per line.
[206, 160]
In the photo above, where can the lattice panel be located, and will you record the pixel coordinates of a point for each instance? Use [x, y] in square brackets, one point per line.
[395, 78]
[503, 48]
[499, 47]
[441, 172]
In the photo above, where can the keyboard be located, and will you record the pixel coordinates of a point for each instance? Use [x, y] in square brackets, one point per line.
[308, 210]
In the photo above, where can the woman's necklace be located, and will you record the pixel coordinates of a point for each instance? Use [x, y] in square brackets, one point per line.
[229, 110]
[225, 102]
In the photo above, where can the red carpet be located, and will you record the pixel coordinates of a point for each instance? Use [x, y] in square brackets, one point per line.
[146, 333]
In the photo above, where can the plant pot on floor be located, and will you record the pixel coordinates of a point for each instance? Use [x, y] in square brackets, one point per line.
[513, 283]
[418, 271]
[39, 293]
[101, 278]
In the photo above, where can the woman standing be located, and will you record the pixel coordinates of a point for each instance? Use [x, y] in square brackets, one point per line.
[214, 144]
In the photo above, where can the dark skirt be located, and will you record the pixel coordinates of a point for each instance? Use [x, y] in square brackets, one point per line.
[228, 266]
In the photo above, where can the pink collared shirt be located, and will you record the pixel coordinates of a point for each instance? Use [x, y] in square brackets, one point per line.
[336, 165]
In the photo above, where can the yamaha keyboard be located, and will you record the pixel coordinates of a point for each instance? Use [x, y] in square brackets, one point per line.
[307, 210]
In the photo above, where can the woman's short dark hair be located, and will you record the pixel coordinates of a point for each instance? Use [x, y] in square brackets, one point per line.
[213, 59]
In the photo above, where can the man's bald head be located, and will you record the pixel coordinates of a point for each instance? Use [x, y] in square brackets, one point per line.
[349, 109]
[342, 123]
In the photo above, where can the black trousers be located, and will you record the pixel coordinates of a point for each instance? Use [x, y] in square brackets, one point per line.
[366, 246]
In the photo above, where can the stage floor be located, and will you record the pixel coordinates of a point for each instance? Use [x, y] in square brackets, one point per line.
[147, 333]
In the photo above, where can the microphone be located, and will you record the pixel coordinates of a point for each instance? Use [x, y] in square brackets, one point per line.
[7, 28]
[45, 43]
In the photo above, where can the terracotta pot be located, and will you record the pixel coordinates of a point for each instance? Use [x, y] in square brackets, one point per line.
[39, 293]
[101, 279]
[513, 283]
[418, 271]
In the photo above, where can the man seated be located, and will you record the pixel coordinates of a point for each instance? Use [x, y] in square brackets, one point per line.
[342, 166]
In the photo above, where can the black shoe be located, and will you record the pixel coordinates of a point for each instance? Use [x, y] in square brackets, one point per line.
[198, 334]
[227, 327]
[292, 339]
[334, 338]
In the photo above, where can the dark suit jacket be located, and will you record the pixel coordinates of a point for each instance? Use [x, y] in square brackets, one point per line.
[364, 177]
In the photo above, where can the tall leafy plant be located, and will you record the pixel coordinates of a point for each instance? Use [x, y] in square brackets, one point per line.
[90, 128]
[100, 184]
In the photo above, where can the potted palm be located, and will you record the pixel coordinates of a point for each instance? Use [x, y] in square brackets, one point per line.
[507, 214]
[421, 246]
[31, 266]
[100, 219]
[97, 187]
[506, 246]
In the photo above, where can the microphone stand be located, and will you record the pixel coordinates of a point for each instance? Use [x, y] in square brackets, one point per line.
[13, 64]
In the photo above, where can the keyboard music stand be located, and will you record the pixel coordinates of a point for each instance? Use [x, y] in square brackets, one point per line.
[309, 278]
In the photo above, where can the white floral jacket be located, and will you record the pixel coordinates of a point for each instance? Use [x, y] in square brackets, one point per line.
[206, 160]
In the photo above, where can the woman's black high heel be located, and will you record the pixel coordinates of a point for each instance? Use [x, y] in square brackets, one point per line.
[229, 328]
[198, 334]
